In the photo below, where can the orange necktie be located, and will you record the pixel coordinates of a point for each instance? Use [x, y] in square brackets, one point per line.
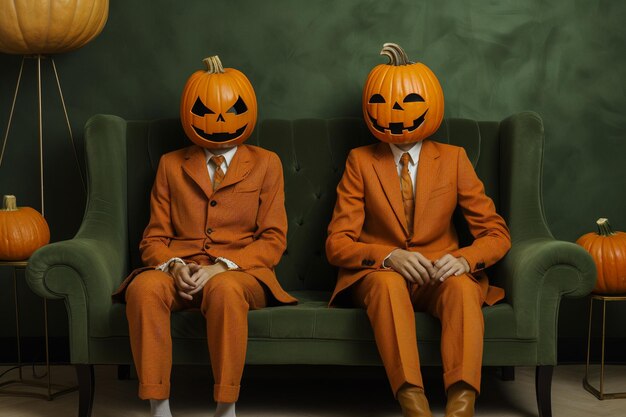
[218, 176]
[406, 186]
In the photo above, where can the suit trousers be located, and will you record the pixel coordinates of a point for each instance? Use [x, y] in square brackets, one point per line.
[224, 302]
[390, 302]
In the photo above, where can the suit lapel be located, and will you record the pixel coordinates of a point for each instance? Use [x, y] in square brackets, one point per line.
[427, 172]
[387, 173]
[195, 167]
[239, 168]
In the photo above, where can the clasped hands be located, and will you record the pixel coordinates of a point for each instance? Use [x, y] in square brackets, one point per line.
[415, 268]
[191, 278]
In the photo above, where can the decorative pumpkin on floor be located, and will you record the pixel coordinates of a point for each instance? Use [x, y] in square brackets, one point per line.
[608, 250]
[402, 100]
[22, 231]
[218, 107]
[33, 27]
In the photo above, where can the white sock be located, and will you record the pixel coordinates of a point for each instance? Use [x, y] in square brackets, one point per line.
[225, 410]
[160, 408]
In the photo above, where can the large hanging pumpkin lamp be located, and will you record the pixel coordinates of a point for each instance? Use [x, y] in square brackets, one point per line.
[402, 100]
[218, 106]
[44, 27]
[22, 231]
[38, 29]
[608, 250]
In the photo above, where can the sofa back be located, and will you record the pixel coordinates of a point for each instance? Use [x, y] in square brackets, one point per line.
[313, 154]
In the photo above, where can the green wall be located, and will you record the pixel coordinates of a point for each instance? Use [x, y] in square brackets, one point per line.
[564, 59]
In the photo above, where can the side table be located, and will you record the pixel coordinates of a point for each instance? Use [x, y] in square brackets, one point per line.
[600, 394]
[53, 390]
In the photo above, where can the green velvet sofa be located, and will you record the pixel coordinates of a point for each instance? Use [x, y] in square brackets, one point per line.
[122, 157]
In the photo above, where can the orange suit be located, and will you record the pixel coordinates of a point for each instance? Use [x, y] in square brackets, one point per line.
[369, 223]
[244, 220]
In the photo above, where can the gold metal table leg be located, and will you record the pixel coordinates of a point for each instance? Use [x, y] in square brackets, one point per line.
[53, 390]
[600, 394]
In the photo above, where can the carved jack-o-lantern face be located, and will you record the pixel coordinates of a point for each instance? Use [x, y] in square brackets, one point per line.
[402, 101]
[218, 107]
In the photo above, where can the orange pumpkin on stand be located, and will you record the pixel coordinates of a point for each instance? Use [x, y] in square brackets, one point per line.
[402, 100]
[218, 107]
[22, 231]
[608, 250]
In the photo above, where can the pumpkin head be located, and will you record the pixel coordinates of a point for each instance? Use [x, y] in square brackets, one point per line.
[218, 106]
[22, 231]
[608, 250]
[402, 100]
[31, 27]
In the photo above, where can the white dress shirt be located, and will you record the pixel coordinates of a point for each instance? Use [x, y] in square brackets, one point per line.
[228, 156]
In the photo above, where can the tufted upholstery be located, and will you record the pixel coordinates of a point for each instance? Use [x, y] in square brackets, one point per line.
[313, 153]
[122, 158]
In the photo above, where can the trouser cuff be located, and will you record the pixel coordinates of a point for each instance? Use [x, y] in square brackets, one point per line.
[226, 393]
[400, 377]
[469, 376]
[154, 391]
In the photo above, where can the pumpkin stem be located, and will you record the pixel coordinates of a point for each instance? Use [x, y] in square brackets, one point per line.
[9, 203]
[214, 65]
[396, 54]
[604, 228]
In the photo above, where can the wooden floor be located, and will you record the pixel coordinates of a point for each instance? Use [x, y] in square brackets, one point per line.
[324, 392]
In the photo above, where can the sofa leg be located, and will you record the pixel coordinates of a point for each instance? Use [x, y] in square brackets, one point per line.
[86, 385]
[123, 372]
[543, 389]
[508, 373]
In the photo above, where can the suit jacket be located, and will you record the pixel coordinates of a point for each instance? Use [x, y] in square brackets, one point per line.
[244, 220]
[369, 221]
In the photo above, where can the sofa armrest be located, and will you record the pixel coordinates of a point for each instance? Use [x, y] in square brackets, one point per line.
[538, 270]
[536, 274]
[96, 262]
[82, 272]
[85, 270]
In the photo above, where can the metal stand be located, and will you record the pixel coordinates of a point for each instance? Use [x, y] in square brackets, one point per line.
[600, 394]
[53, 390]
[39, 58]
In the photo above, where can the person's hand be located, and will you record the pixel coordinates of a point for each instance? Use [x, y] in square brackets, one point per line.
[200, 275]
[413, 266]
[449, 265]
[182, 279]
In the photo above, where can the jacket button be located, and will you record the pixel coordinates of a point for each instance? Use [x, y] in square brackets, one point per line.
[207, 246]
[480, 265]
[213, 203]
[209, 231]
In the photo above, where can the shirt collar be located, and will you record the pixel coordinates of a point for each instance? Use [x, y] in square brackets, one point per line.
[414, 152]
[228, 156]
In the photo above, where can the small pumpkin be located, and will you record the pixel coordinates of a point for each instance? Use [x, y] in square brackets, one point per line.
[22, 231]
[32, 27]
[608, 250]
[402, 100]
[218, 106]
